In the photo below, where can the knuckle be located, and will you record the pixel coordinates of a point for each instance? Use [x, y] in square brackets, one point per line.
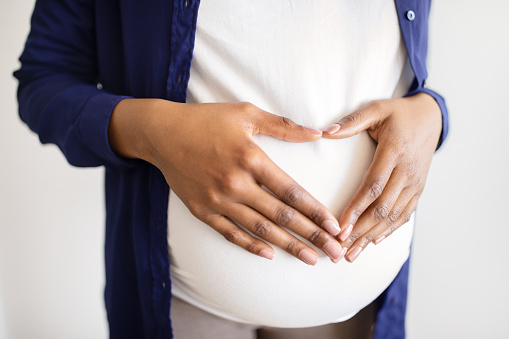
[212, 197]
[411, 169]
[397, 146]
[261, 228]
[376, 105]
[230, 183]
[195, 208]
[233, 236]
[375, 189]
[317, 237]
[350, 119]
[247, 107]
[291, 246]
[286, 122]
[380, 212]
[249, 158]
[284, 216]
[407, 217]
[292, 195]
[356, 213]
[317, 216]
[354, 236]
[396, 150]
[393, 216]
[252, 248]
[419, 182]
[367, 239]
[391, 230]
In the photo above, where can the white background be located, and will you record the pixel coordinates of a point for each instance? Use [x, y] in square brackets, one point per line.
[51, 215]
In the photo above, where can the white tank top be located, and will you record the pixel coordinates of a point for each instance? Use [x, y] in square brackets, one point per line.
[314, 62]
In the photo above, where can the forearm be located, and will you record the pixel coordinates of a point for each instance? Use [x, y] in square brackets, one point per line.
[58, 94]
[71, 114]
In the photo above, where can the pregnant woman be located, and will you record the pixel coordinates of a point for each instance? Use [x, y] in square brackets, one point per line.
[193, 156]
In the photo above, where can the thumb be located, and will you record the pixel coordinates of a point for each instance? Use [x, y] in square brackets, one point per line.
[284, 128]
[362, 119]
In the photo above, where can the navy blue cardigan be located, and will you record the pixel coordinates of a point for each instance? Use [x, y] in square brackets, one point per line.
[81, 58]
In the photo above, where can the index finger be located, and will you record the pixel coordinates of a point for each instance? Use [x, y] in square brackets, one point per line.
[294, 195]
[373, 184]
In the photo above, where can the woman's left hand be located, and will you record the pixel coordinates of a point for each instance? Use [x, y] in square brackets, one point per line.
[407, 131]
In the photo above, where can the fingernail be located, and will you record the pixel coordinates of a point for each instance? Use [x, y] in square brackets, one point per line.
[312, 130]
[332, 227]
[379, 239]
[332, 129]
[333, 250]
[267, 254]
[343, 252]
[308, 257]
[354, 253]
[346, 232]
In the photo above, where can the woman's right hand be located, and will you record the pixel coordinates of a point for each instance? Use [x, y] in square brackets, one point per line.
[209, 159]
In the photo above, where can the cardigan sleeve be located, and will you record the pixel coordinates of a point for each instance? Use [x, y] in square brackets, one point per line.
[58, 93]
[413, 17]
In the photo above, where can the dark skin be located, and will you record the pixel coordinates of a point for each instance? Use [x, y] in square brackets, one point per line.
[407, 131]
[185, 140]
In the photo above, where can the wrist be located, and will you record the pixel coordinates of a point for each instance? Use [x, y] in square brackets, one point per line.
[431, 111]
[131, 126]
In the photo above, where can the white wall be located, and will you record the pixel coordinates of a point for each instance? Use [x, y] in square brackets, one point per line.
[51, 220]
[460, 275]
[3, 325]
[51, 215]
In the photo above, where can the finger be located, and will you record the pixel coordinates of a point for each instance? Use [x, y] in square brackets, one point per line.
[285, 216]
[282, 128]
[289, 191]
[263, 228]
[236, 235]
[356, 122]
[372, 186]
[404, 217]
[382, 230]
[381, 208]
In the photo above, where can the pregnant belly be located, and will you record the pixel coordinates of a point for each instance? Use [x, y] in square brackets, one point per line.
[223, 279]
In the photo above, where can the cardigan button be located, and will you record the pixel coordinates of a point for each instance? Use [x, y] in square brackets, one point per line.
[410, 15]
